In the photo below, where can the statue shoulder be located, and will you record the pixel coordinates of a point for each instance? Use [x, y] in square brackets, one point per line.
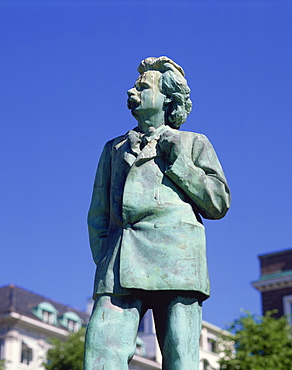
[194, 136]
[117, 140]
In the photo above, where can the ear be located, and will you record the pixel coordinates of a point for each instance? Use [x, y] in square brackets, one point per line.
[167, 100]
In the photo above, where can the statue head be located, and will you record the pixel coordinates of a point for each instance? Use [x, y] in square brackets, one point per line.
[169, 77]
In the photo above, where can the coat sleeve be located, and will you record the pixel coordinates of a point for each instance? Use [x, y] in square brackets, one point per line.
[197, 171]
[98, 215]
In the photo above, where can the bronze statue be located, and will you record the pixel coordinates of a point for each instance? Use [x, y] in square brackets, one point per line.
[147, 238]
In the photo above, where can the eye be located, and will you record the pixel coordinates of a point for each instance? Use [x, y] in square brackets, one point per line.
[142, 86]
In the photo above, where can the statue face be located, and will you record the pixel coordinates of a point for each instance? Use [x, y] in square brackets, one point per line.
[145, 97]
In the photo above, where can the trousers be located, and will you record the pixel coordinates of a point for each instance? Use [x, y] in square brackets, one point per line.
[112, 330]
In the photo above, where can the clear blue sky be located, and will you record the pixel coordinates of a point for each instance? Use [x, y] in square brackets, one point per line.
[65, 69]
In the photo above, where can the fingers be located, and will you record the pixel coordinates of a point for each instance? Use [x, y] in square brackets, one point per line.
[170, 145]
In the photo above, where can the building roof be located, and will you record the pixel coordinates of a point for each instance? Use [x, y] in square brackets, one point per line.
[279, 253]
[276, 275]
[22, 301]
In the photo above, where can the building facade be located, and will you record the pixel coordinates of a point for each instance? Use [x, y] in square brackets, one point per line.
[275, 282]
[28, 319]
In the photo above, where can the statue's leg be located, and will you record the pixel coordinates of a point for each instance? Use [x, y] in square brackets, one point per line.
[178, 327]
[111, 333]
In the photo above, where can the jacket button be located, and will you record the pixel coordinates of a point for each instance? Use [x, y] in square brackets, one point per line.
[128, 226]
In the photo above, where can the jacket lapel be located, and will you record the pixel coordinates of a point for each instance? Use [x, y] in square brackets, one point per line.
[124, 151]
[129, 147]
[147, 153]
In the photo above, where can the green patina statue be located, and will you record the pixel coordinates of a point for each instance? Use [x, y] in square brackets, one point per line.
[146, 234]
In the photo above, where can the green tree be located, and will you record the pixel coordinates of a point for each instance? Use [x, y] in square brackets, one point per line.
[257, 343]
[68, 354]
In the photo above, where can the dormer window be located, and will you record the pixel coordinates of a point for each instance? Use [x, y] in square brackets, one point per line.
[46, 312]
[47, 317]
[73, 325]
[71, 321]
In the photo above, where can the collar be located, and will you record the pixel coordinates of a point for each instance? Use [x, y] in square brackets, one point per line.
[151, 133]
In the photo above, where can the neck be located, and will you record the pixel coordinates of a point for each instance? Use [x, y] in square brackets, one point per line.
[155, 121]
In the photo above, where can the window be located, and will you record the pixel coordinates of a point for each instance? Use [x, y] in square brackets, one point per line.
[211, 345]
[72, 325]
[47, 317]
[46, 312]
[26, 354]
[71, 321]
[287, 307]
[2, 356]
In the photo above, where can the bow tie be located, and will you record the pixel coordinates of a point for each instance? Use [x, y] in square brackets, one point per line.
[138, 140]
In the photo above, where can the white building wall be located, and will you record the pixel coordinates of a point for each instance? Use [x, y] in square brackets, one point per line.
[13, 343]
[18, 331]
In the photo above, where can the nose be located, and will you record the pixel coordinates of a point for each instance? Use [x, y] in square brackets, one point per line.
[131, 92]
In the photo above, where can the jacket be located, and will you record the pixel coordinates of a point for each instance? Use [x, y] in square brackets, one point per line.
[145, 225]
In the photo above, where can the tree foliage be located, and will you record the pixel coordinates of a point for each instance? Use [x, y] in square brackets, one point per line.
[66, 355]
[257, 343]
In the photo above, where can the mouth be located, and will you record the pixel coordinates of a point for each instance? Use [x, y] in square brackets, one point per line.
[132, 103]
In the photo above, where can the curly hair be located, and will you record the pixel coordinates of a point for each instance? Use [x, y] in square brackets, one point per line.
[173, 85]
